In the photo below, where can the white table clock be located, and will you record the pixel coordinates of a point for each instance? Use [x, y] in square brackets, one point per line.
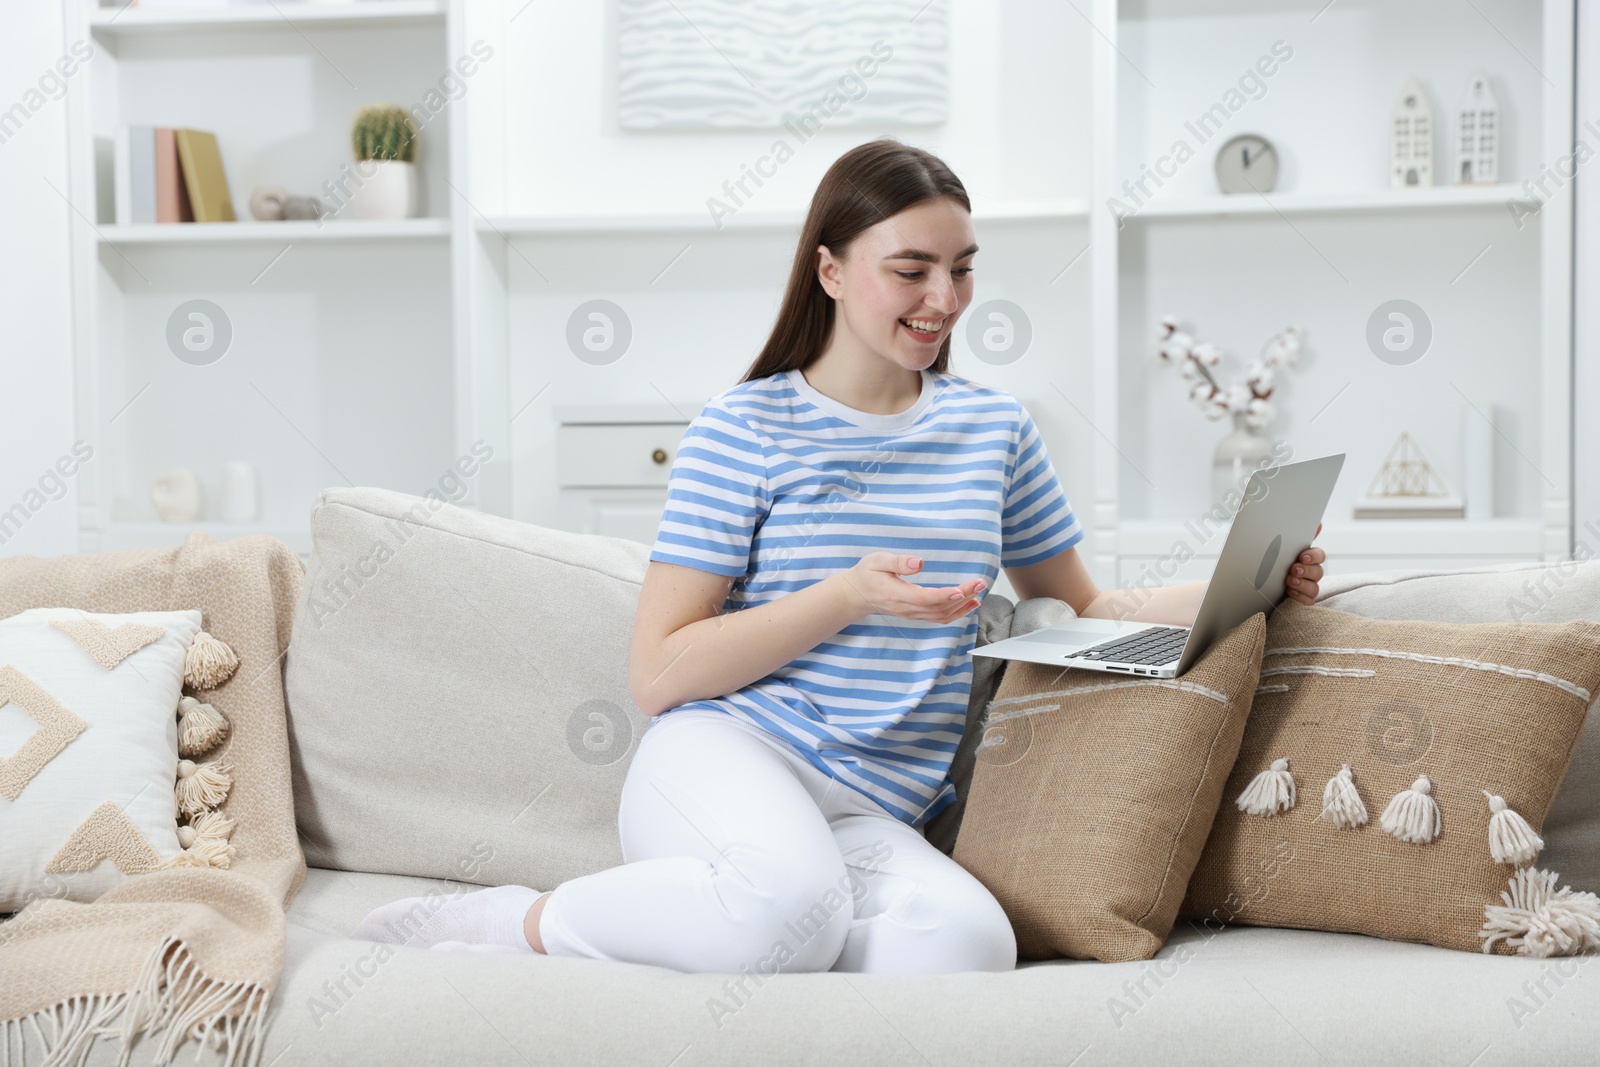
[1247, 163]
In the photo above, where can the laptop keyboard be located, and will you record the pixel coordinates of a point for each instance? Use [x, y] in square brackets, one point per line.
[1159, 645]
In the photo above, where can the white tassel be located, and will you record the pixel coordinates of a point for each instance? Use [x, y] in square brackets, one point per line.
[1269, 792]
[1511, 839]
[208, 824]
[1413, 814]
[201, 785]
[201, 727]
[205, 852]
[208, 662]
[1538, 920]
[1341, 804]
[205, 842]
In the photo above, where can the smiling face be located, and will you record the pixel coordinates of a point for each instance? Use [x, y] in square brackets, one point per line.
[904, 283]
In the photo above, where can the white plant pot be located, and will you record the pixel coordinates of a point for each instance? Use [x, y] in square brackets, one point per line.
[388, 189]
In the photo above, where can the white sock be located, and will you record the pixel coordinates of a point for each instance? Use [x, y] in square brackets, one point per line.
[485, 917]
[468, 946]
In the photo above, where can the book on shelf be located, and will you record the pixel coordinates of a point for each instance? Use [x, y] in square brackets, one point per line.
[203, 176]
[172, 196]
[135, 170]
[166, 174]
[149, 180]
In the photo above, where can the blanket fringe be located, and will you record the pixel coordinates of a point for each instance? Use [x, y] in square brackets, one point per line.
[171, 995]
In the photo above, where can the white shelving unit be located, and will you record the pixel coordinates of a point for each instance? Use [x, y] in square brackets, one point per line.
[377, 353]
[343, 331]
[700, 222]
[1323, 252]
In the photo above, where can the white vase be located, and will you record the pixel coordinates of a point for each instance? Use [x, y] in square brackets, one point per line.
[388, 189]
[240, 493]
[1239, 453]
[176, 495]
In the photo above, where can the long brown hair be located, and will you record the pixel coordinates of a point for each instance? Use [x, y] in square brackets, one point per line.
[864, 186]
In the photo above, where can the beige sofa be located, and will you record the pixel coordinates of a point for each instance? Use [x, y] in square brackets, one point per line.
[459, 716]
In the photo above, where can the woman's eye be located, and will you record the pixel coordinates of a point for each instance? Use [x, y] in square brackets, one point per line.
[913, 275]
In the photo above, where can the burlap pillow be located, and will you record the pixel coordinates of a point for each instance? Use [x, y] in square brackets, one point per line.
[1092, 795]
[1456, 712]
[1553, 591]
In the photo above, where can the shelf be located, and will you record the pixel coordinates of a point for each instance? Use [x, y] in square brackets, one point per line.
[1032, 211]
[1356, 200]
[287, 230]
[108, 23]
[611, 414]
[1154, 10]
[115, 536]
[538, 225]
[1438, 539]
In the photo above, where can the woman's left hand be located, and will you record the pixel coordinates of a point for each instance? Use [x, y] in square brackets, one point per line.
[1301, 581]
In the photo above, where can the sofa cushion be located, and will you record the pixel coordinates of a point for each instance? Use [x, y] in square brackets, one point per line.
[458, 692]
[1093, 795]
[1210, 996]
[1401, 714]
[1559, 591]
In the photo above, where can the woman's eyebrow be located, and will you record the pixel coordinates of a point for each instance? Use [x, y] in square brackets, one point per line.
[928, 257]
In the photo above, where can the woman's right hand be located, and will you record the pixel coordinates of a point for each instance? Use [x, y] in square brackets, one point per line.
[878, 584]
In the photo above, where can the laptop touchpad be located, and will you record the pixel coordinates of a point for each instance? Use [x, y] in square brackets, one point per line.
[1073, 634]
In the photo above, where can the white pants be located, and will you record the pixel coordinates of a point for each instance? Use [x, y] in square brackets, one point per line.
[741, 857]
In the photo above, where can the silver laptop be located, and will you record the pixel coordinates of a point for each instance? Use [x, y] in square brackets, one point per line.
[1274, 524]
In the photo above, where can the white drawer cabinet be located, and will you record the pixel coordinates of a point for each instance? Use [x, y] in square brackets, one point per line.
[631, 513]
[612, 467]
[617, 455]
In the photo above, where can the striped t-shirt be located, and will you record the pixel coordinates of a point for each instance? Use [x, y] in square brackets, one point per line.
[779, 486]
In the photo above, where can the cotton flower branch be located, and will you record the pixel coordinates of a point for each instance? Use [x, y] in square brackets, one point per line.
[1250, 398]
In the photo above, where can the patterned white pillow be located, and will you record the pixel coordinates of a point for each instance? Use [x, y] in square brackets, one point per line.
[88, 748]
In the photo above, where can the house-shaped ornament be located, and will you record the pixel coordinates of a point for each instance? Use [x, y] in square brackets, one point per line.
[1478, 134]
[1411, 138]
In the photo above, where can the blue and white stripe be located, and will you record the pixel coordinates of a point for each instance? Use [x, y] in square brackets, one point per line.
[779, 486]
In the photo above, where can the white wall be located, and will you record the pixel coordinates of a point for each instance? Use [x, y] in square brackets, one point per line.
[701, 303]
[35, 284]
[1017, 127]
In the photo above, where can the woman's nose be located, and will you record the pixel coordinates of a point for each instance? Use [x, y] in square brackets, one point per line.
[942, 296]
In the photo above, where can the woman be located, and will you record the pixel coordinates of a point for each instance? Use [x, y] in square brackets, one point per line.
[807, 690]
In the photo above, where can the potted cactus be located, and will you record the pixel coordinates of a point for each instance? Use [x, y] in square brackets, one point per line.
[385, 144]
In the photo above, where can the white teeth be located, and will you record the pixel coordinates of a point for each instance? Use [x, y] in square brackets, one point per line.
[921, 324]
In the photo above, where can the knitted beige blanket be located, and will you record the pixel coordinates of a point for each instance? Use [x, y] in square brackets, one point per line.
[186, 952]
